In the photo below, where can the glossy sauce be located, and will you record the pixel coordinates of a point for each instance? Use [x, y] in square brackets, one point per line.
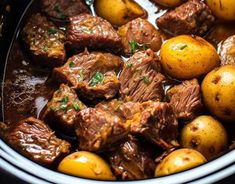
[28, 87]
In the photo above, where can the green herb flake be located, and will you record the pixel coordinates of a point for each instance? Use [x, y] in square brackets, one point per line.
[53, 109]
[130, 65]
[65, 99]
[134, 46]
[45, 48]
[80, 75]
[52, 30]
[96, 79]
[71, 64]
[76, 106]
[59, 12]
[87, 30]
[63, 107]
[183, 46]
[146, 80]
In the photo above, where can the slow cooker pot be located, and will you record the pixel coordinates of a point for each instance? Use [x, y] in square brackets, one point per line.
[12, 14]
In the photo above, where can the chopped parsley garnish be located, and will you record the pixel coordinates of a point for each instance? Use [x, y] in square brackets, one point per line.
[71, 64]
[146, 80]
[53, 109]
[87, 30]
[80, 75]
[76, 106]
[135, 46]
[63, 107]
[182, 46]
[52, 30]
[45, 48]
[129, 65]
[65, 99]
[59, 12]
[96, 79]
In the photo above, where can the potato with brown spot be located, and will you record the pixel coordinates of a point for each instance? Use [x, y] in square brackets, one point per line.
[179, 160]
[206, 135]
[218, 92]
[187, 57]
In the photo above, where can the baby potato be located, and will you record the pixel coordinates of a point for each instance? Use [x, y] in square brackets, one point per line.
[223, 9]
[179, 160]
[118, 12]
[86, 164]
[206, 135]
[187, 57]
[218, 92]
[169, 3]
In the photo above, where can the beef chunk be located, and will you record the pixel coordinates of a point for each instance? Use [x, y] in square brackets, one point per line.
[92, 32]
[62, 109]
[44, 40]
[141, 79]
[157, 123]
[125, 110]
[139, 34]
[98, 130]
[192, 17]
[185, 99]
[227, 51]
[37, 141]
[132, 160]
[62, 9]
[92, 74]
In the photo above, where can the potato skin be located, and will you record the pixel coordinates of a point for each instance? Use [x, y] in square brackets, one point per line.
[169, 3]
[179, 160]
[222, 9]
[206, 135]
[86, 164]
[218, 92]
[118, 12]
[187, 57]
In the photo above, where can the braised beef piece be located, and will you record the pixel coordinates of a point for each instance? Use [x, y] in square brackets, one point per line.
[132, 160]
[62, 9]
[34, 139]
[92, 32]
[185, 99]
[125, 110]
[157, 123]
[91, 74]
[44, 40]
[62, 109]
[98, 130]
[141, 79]
[227, 51]
[139, 34]
[192, 17]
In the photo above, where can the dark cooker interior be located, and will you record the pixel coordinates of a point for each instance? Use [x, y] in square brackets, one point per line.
[28, 88]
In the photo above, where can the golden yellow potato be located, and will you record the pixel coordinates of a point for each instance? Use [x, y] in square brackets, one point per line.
[86, 164]
[218, 92]
[118, 12]
[169, 3]
[179, 160]
[187, 57]
[206, 135]
[223, 9]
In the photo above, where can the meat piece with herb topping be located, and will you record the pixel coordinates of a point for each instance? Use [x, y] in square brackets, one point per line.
[44, 40]
[141, 79]
[62, 109]
[93, 74]
[92, 32]
[98, 130]
[34, 139]
[62, 9]
[139, 34]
